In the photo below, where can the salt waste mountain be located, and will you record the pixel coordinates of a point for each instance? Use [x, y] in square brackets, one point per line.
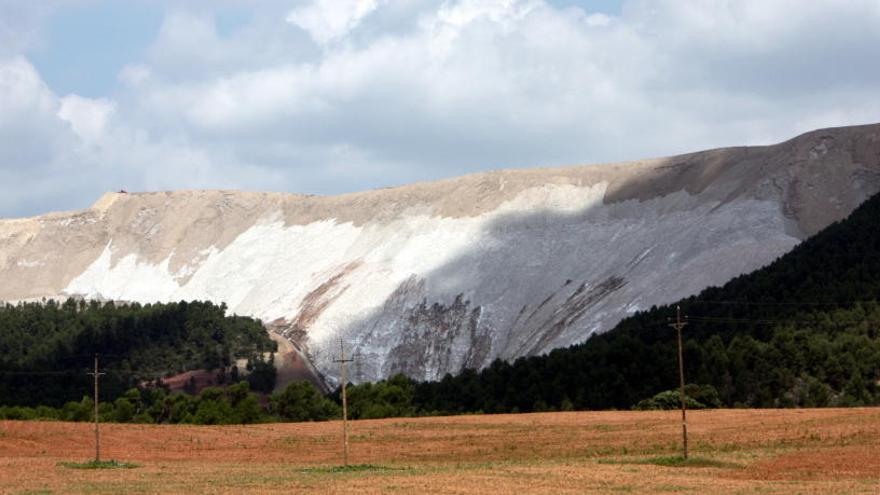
[431, 278]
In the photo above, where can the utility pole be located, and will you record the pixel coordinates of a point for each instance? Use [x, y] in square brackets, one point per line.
[97, 428]
[344, 378]
[678, 325]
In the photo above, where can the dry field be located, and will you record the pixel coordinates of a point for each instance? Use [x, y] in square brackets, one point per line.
[744, 451]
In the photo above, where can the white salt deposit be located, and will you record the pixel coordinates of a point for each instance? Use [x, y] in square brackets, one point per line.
[513, 257]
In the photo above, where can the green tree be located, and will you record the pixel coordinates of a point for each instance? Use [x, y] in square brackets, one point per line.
[301, 401]
[123, 410]
[384, 399]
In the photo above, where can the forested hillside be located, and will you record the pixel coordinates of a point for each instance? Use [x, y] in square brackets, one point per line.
[803, 331]
[47, 348]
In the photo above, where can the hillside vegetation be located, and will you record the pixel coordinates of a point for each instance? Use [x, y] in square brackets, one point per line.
[47, 348]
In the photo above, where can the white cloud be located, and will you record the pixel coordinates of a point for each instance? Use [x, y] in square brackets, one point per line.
[134, 75]
[63, 152]
[329, 20]
[505, 12]
[87, 117]
[338, 96]
[21, 89]
[30, 133]
[21, 23]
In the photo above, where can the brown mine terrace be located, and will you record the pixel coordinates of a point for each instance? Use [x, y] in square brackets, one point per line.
[733, 451]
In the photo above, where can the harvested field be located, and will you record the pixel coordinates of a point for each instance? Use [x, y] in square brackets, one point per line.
[740, 451]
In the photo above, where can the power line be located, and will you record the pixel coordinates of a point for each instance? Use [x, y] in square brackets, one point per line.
[39, 373]
[78, 370]
[780, 303]
[778, 321]
[106, 371]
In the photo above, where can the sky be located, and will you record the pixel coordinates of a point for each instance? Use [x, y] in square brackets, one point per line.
[334, 96]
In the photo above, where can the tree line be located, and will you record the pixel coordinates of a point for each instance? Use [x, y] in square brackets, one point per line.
[46, 348]
[232, 404]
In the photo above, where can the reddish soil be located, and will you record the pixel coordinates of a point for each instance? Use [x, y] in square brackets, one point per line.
[767, 451]
[860, 461]
[203, 379]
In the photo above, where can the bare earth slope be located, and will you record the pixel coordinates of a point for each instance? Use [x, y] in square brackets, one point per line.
[433, 277]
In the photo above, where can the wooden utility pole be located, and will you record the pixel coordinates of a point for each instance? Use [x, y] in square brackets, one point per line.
[96, 374]
[344, 378]
[678, 325]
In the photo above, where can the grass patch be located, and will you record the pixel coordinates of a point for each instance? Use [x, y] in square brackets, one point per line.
[353, 468]
[111, 464]
[679, 461]
[674, 488]
[674, 461]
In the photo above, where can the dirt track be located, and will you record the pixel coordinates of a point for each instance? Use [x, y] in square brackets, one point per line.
[768, 451]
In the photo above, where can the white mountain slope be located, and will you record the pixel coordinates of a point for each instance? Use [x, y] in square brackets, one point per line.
[433, 277]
